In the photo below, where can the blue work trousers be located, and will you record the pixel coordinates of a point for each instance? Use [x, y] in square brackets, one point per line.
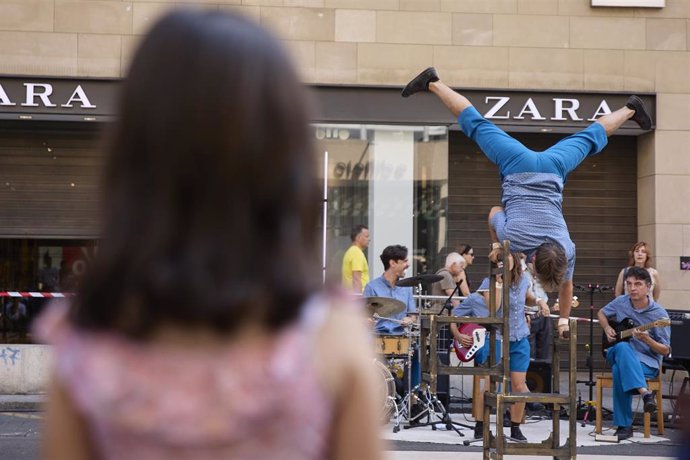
[628, 376]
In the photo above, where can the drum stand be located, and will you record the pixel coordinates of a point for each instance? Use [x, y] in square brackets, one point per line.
[434, 411]
[402, 407]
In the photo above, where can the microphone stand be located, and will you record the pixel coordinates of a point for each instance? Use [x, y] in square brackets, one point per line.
[592, 288]
[448, 304]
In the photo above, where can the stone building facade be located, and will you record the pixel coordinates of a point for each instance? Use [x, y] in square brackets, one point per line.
[538, 45]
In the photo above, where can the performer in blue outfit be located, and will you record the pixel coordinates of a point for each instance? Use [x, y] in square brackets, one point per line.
[475, 305]
[531, 216]
[395, 262]
[640, 358]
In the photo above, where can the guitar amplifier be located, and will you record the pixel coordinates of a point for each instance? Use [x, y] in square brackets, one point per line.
[680, 334]
[539, 376]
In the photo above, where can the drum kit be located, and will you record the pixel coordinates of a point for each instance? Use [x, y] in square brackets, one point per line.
[402, 401]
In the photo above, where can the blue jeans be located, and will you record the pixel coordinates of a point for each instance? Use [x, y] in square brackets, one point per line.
[511, 156]
[628, 376]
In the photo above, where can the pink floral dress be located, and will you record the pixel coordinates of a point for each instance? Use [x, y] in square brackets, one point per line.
[149, 401]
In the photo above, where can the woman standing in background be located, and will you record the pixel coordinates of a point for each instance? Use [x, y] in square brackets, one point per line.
[640, 255]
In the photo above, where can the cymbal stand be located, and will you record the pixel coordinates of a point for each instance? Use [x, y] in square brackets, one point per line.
[422, 304]
[432, 409]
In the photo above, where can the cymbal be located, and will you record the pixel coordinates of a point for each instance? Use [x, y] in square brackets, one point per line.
[383, 306]
[415, 280]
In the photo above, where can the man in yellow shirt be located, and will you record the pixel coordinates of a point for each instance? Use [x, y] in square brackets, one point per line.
[355, 266]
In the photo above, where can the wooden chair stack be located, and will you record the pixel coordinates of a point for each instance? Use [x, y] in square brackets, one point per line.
[499, 373]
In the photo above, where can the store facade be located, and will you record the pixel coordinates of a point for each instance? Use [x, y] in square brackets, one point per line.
[538, 68]
[399, 166]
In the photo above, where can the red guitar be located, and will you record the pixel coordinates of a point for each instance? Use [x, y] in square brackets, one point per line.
[478, 334]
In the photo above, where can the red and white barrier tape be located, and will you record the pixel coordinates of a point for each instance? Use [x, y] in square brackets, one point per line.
[46, 295]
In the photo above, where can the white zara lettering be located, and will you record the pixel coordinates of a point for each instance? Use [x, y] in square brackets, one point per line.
[530, 108]
[602, 110]
[559, 108]
[4, 100]
[491, 113]
[32, 94]
[79, 95]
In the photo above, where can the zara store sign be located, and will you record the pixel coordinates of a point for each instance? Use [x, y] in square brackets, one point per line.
[514, 110]
[561, 109]
[39, 94]
[57, 98]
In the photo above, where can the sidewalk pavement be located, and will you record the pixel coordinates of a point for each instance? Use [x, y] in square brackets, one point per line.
[14, 408]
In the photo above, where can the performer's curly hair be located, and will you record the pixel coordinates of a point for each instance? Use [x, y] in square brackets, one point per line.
[550, 264]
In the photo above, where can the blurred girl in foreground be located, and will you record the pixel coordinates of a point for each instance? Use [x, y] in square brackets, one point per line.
[197, 334]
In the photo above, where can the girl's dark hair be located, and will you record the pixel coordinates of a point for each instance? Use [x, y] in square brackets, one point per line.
[464, 249]
[209, 198]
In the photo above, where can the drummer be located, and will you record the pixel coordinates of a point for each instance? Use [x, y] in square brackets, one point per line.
[395, 263]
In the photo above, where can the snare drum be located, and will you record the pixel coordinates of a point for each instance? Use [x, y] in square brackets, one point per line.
[393, 344]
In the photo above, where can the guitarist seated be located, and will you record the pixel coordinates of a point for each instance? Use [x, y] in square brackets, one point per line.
[634, 354]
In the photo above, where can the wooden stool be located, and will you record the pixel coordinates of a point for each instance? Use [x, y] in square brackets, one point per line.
[606, 381]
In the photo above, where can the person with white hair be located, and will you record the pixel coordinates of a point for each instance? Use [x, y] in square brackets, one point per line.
[453, 278]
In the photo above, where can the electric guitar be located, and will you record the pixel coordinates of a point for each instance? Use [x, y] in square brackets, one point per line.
[478, 334]
[624, 330]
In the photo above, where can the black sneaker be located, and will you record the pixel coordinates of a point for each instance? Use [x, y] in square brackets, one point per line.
[420, 82]
[649, 400]
[479, 432]
[624, 432]
[641, 116]
[516, 434]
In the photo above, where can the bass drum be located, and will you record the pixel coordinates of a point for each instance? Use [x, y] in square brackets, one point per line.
[385, 391]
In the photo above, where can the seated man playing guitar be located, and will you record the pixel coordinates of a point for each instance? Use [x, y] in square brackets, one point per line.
[640, 357]
[476, 305]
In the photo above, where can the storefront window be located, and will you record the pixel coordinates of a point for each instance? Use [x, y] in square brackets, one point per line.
[394, 179]
[31, 270]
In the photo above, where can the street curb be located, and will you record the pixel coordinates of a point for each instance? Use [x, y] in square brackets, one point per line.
[10, 403]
